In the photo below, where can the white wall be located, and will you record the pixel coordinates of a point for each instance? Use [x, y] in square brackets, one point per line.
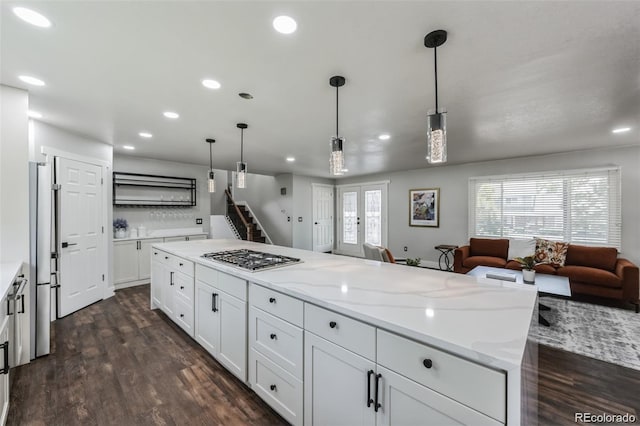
[14, 176]
[453, 184]
[174, 217]
[303, 210]
[271, 208]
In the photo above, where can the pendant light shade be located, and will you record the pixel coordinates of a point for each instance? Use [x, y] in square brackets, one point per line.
[336, 158]
[436, 118]
[212, 180]
[241, 166]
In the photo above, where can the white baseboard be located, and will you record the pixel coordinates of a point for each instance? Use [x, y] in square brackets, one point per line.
[131, 284]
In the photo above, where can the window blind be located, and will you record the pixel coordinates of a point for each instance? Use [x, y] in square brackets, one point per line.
[577, 206]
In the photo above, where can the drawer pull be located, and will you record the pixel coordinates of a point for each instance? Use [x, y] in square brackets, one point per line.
[273, 387]
[369, 400]
[5, 347]
[427, 363]
[182, 264]
[273, 336]
[272, 300]
[181, 315]
[377, 404]
[181, 287]
[155, 253]
[333, 324]
[166, 257]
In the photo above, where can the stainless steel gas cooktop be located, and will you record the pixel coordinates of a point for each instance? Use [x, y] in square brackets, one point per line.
[251, 260]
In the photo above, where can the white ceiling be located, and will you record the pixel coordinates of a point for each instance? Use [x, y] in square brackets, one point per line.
[517, 78]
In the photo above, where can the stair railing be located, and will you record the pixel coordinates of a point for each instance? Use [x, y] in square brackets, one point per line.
[244, 228]
[256, 220]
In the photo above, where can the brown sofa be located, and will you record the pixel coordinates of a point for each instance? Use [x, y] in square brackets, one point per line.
[596, 271]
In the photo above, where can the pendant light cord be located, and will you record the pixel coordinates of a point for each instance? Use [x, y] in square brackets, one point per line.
[337, 106]
[241, 145]
[435, 64]
[210, 157]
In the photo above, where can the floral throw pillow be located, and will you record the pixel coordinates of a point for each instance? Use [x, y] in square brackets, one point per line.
[551, 252]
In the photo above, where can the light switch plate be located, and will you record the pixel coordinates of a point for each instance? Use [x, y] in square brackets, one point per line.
[199, 221]
[299, 218]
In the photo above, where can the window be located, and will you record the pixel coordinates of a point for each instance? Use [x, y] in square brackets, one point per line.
[578, 206]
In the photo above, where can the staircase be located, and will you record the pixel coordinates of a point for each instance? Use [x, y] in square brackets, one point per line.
[243, 221]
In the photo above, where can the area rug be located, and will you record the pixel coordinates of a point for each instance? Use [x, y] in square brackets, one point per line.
[601, 332]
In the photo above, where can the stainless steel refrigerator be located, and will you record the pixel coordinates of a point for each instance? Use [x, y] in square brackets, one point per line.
[42, 243]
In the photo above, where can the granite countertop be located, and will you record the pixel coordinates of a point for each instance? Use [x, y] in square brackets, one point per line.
[484, 322]
[8, 273]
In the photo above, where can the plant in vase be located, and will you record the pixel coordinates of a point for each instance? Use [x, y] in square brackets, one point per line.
[413, 262]
[120, 226]
[528, 272]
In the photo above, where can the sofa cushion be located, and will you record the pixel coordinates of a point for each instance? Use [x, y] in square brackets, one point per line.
[544, 268]
[592, 276]
[519, 247]
[551, 252]
[512, 264]
[473, 261]
[489, 247]
[594, 257]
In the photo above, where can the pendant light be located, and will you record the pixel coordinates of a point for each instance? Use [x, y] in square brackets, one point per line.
[336, 160]
[241, 166]
[436, 119]
[212, 181]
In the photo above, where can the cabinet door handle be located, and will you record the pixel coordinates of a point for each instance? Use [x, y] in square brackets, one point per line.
[273, 336]
[5, 347]
[9, 306]
[427, 363]
[214, 296]
[369, 400]
[333, 324]
[272, 300]
[273, 387]
[377, 404]
[181, 287]
[181, 264]
[22, 304]
[171, 278]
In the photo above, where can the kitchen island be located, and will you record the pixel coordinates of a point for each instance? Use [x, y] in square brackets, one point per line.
[379, 343]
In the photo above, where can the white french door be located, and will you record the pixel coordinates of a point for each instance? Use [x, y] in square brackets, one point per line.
[80, 220]
[322, 201]
[362, 217]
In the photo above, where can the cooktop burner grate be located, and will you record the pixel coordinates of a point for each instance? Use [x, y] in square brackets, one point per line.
[251, 260]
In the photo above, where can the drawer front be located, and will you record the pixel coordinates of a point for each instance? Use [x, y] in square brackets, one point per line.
[171, 239]
[478, 387]
[182, 265]
[161, 256]
[183, 315]
[347, 332]
[276, 387]
[280, 305]
[184, 287]
[235, 286]
[276, 339]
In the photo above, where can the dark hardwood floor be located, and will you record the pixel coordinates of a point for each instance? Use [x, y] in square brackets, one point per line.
[117, 362]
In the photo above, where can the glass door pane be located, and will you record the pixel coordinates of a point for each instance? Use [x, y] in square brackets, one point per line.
[350, 217]
[373, 217]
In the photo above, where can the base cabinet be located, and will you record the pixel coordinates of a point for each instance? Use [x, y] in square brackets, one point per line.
[337, 388]
[132, 260]
[4, 370]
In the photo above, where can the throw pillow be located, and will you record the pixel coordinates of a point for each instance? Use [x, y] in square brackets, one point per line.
[519, 247]
[551, 252]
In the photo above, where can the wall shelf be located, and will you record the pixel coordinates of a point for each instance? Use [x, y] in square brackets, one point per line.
[140, 190]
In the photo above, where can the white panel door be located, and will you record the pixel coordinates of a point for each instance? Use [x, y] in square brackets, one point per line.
[336, 385]
[323, 206]
[125, 261]
[80, 218]
[362, 217]
[207, 317]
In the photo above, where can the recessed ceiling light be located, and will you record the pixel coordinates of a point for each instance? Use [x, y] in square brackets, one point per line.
[170, 114]
[129, 147]
[31, 80]
[145, 135]
[210, 84]
[34, 114]
[285, 24]
[32, 17]
[384, 136]
[621, 130]
[291, 159]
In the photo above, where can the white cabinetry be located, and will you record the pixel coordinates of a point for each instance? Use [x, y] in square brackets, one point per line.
[276, 354]
[221, 318]
[186, 238]
[4, 367]
[131, 260]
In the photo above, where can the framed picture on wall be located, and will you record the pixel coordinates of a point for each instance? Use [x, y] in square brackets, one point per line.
[424, 207]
